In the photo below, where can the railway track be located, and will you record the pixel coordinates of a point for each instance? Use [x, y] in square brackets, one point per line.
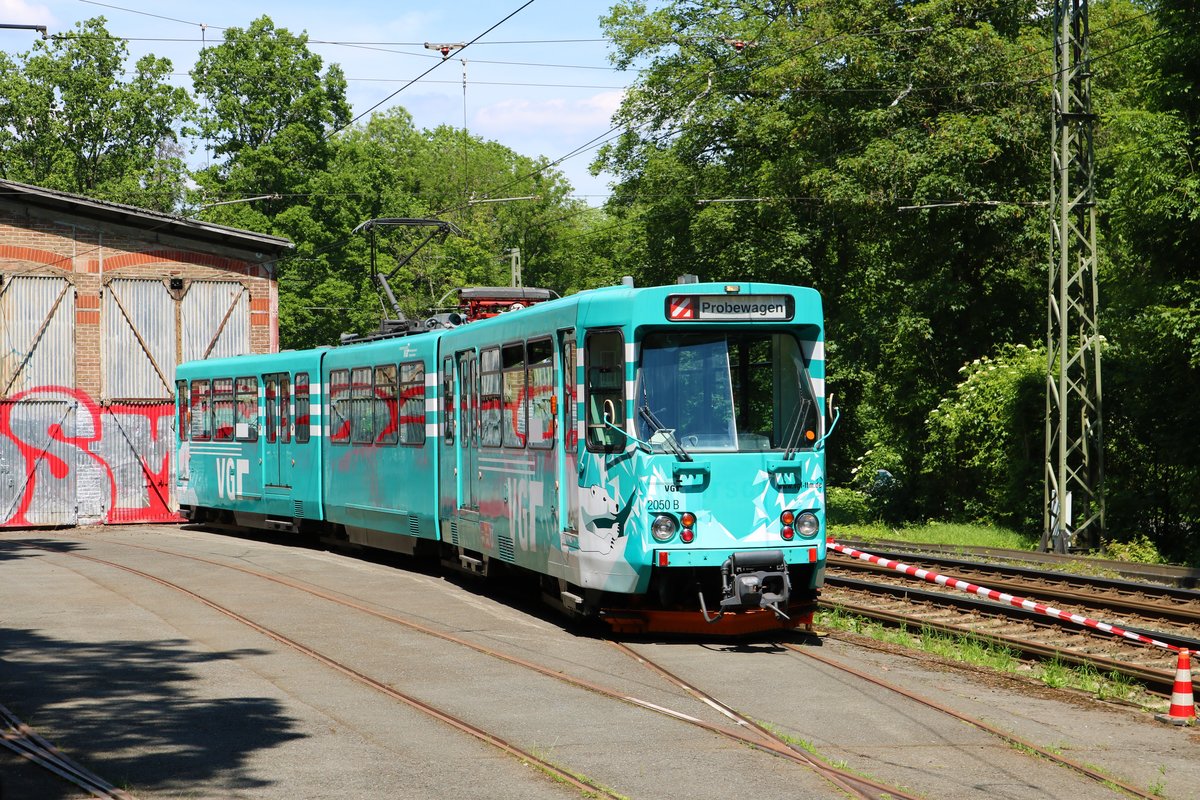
[857, 786]
[27, 743]
[854, 785]
[743, 731]
[739, 728]
[1021, 743]
[1164, 574]
[1165, 614]
[526, 756]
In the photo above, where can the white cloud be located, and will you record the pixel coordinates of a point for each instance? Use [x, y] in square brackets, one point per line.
[19, 12]
[547, 117]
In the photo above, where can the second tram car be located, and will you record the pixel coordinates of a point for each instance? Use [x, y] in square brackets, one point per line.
[654, 455]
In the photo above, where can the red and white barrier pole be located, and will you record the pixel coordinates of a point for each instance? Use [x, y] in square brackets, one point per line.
[1000, 597]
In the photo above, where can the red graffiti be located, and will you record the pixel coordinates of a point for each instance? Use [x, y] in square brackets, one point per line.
[108, 435]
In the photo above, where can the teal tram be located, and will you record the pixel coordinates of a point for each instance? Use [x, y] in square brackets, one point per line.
[654, 456]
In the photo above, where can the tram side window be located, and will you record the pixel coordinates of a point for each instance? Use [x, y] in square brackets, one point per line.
[491, 406]
[512, 358]
[412, 413]
[540, 392]
[605, 359]
[271, 406]
[285, 407]
[339, 406]
[387, 409]
[246, 414]
[468, 396]
[183, 421]
[223, 409]
[570, 431]
[303, 409]
[448, 399]
[201, 422]
[362, 412]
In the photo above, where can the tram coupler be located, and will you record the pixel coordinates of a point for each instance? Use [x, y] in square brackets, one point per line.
[752, 579]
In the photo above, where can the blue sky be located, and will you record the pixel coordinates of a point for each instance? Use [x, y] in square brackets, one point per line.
[540, 83]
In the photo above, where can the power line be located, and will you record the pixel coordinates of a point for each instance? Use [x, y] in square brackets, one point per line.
[431, 69]
[359, 46]
[148, 14]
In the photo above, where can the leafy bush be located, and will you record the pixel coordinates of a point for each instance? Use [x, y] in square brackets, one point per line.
[847, 507]
[1138, 550]
[877, 477]
[985, 442]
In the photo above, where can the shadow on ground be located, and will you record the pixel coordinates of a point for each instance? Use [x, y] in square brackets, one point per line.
[126, 710]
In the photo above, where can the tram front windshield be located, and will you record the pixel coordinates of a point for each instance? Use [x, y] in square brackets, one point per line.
[723, 391]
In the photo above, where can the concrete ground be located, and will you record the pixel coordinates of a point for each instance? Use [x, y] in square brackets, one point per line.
[165, 696]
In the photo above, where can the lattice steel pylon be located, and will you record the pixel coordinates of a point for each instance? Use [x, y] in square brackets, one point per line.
[1074, 474]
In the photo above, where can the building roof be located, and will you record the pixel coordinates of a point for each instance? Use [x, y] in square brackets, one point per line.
[143, 218]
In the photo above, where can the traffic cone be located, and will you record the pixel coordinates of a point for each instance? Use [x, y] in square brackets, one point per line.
[1183, 707]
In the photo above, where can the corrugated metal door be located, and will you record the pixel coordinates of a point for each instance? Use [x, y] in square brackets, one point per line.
[138, 357]
[139, 340]
[147, 332]
[39, 459]
[215, 320]
[38, 346]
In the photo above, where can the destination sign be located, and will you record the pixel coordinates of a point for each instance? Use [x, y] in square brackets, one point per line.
[771, 307]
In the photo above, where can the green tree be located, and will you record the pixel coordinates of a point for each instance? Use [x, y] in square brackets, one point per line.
[892, 156]
[268, 112]
[1150, 293]
[278, 128]
[73, 120]
[385, 168]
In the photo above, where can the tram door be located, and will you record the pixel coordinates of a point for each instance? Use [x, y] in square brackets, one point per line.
[569, 479]
[468, 430]
[277, 399]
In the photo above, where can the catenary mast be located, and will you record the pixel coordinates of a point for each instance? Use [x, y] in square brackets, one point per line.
[1074, 473]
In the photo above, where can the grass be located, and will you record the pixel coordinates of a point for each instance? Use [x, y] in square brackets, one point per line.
[601, 790]
[946, 533]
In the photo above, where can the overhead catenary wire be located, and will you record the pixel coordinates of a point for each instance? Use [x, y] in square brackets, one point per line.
[467, 44]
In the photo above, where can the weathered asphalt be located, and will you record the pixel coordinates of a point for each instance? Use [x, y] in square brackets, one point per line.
[165, 696]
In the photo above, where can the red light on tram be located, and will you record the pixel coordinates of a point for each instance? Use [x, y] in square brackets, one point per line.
[788, 532]
[687, 536]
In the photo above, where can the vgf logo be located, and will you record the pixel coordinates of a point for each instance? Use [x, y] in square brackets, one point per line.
[230, 472]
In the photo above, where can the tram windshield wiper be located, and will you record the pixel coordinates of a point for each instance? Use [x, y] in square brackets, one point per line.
[665, 435]
[792, 437]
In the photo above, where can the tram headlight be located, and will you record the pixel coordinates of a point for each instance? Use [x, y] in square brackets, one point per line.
[663, 528]
[807, 525]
